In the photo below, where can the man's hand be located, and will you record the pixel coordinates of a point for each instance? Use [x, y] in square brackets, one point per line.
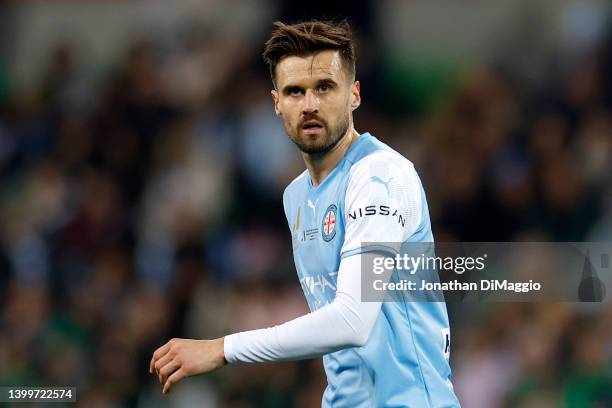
[180, 358]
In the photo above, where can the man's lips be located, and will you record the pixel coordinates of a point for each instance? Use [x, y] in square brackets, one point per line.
[312, 127]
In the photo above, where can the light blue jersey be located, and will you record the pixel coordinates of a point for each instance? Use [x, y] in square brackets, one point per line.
[373, 195]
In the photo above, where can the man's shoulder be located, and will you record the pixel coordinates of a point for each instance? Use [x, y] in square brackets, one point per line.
[383, 155]
[296, 184]
[381, 163]
[373, 153]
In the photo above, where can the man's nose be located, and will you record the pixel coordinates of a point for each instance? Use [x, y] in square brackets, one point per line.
[311, 103]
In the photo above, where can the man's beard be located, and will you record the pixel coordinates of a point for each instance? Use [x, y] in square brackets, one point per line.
[333, 137]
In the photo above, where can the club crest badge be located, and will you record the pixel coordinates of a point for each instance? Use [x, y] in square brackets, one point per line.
[328, 225]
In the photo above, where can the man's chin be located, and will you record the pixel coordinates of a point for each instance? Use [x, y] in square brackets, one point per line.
[313, 147]
[313, 137]
[311, 143]
[315, 143]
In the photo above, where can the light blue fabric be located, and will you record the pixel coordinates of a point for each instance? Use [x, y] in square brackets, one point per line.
[405, 360]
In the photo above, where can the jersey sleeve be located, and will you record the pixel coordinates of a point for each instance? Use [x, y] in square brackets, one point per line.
[345, 322]
[383, 204]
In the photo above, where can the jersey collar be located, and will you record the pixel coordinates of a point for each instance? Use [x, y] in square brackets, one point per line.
[349, 155]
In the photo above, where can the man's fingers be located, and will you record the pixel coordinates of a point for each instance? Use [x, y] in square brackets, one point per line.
[173, 379]
[157, 355]
[168, 369]
[162, 362]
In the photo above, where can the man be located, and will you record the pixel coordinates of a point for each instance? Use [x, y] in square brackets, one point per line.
[376, 354]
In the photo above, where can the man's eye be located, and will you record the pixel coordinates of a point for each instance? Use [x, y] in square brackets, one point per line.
[324, 87]
[295, 92]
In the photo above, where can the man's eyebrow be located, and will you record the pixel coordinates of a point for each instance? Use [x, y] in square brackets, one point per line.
[289, 87]
[329, 81]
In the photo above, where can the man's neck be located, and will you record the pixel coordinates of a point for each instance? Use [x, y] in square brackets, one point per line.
[320, 165]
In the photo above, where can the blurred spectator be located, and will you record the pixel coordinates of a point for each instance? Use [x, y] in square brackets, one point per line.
[141, 200]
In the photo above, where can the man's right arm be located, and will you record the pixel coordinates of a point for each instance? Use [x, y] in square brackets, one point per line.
[345, 322]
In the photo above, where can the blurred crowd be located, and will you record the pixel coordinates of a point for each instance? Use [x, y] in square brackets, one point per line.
[145, 203]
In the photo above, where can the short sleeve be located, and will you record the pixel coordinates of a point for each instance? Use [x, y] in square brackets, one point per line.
[382, 203]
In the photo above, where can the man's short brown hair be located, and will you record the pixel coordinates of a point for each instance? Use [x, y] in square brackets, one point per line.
[306, 38]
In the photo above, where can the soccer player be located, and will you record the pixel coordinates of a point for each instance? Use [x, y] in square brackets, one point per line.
[376, 354]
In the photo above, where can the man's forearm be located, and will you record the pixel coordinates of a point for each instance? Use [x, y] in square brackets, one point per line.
[346, 322]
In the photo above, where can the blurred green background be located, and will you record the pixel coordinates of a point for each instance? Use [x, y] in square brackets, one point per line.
[142, 170]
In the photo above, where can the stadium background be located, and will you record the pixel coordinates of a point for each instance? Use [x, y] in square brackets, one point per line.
[142, 170]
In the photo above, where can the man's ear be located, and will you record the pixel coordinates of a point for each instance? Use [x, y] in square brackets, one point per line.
[274, 93]
[355, 95]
